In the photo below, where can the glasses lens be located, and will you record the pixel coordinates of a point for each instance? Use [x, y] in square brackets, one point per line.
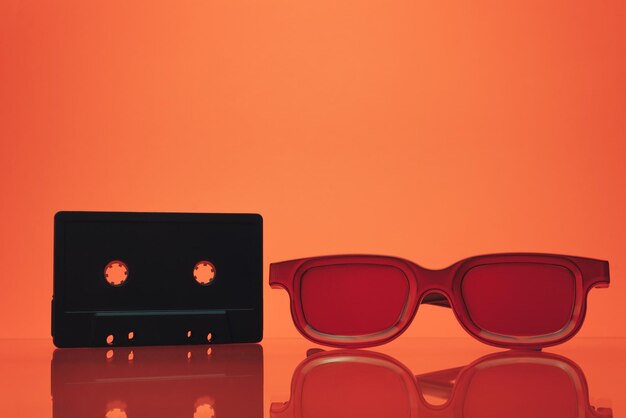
[353, 299]
[330, 391]
[519, 299]
[521, 391]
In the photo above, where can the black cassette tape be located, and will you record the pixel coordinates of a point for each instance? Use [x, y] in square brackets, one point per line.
[220, 381]
[131, 279]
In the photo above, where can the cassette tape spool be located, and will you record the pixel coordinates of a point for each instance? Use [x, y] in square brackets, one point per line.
[132, 279]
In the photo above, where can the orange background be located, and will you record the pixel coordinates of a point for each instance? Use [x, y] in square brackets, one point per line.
[431, 132]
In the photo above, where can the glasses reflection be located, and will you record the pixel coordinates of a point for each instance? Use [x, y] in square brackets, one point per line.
[199, 382]
[513, 384]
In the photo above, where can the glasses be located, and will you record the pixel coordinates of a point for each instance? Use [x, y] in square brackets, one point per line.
[509, 384]
[517, 300]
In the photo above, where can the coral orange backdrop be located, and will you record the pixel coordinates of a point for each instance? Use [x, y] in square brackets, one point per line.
[427, 131]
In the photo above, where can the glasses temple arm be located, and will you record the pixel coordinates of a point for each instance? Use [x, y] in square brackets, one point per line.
[436, 299]
[439, 384]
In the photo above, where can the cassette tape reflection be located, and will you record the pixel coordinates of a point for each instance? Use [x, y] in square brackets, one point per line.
[131, 279]
[199, 382]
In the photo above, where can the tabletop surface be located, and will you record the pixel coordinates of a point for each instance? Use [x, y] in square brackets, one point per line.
[293, 378]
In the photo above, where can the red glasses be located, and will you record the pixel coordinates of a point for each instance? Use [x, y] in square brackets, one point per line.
[516, 300]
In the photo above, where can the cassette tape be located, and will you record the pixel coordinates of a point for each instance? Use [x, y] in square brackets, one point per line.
[175, 381]
[133, 279]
